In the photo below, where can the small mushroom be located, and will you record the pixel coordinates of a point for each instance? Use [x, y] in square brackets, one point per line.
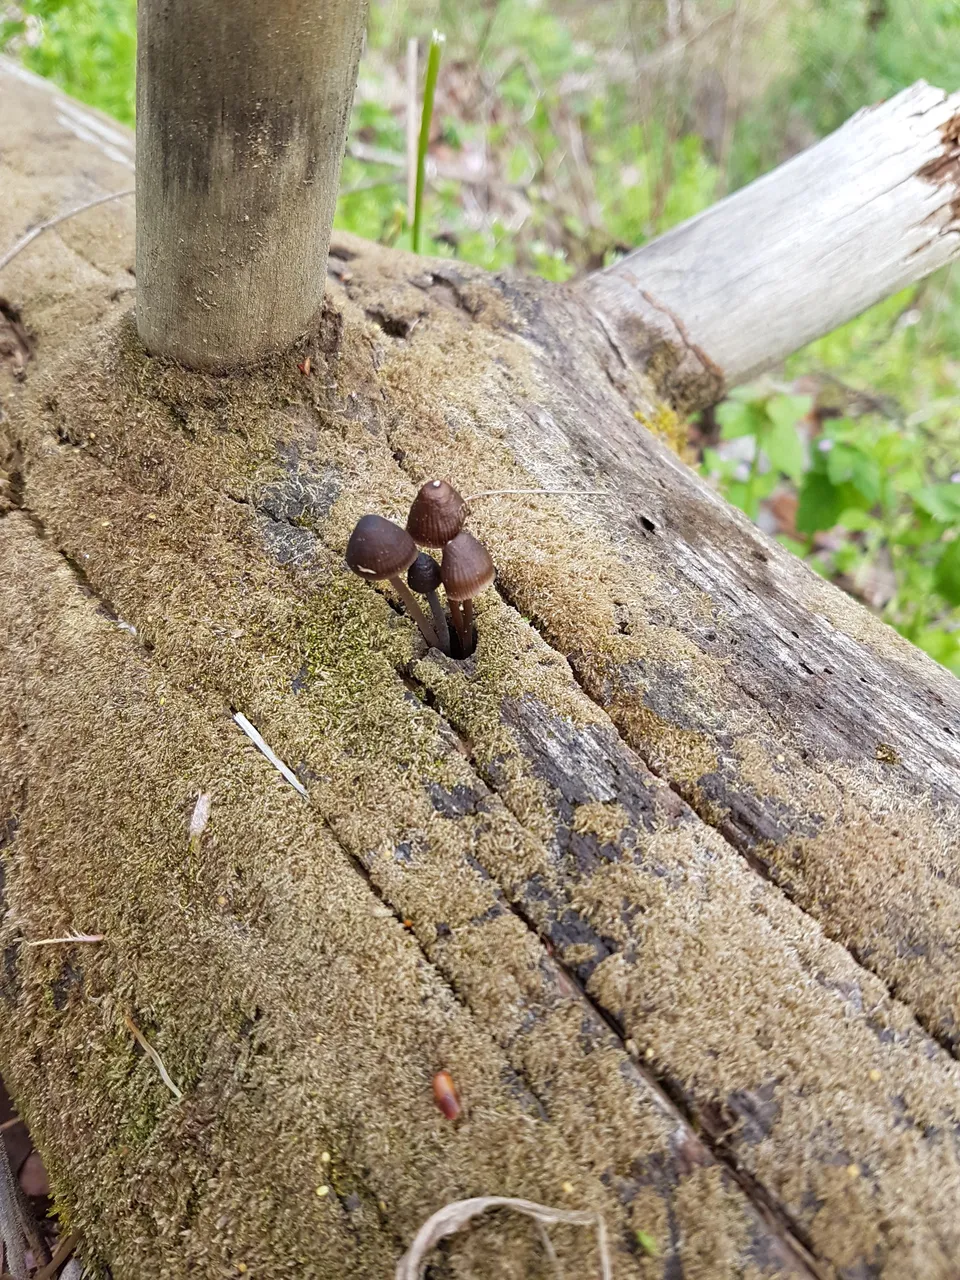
[423, 576]
[437, 514]
[379, 549]
[466, 570]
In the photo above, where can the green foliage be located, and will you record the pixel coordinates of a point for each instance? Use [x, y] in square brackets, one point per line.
[865, 481]
[770, 421]
[423, 144]
[87, 46]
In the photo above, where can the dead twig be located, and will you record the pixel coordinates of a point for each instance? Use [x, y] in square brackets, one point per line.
[62, 1255]
[454, 1216]
[31, 235]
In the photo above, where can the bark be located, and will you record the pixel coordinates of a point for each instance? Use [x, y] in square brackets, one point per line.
[242, 113]
[664, 875]
[867, 211]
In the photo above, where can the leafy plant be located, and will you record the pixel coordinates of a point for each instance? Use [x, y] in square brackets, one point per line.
[867, 510]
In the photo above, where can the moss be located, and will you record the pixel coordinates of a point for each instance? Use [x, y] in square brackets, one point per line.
[667, 426]
[439, 812]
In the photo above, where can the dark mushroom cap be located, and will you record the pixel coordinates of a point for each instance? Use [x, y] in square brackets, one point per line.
[379, 548]
[424, 574]
[467, 568]
[437, 514]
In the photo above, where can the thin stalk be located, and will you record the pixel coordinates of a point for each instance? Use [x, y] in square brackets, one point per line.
[492, 493]
[468, 621]
[457, 615]
[439, 621]
[416, 613]
[426, 117]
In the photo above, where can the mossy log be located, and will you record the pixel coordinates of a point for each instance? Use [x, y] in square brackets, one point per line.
[665, 875]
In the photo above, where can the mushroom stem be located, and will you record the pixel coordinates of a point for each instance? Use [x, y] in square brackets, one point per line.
[468, 619]
[416, 613]
[439, 621]
[457, 616]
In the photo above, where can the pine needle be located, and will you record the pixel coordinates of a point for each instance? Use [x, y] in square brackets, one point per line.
[69, 937]
[152, 1054]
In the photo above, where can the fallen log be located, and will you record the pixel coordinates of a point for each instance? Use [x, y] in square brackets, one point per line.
[638, 874]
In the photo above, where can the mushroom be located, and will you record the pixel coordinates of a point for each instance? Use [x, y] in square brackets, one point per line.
[379, 549]
[437, 514]
[466, 570]
[423, 576]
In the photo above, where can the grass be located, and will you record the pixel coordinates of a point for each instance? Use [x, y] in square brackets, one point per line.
[562, 135]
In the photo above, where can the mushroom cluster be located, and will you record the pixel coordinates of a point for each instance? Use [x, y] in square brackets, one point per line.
[379, 549]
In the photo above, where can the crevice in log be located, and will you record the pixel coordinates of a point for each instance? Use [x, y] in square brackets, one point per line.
[740, 842]
[712, 1135]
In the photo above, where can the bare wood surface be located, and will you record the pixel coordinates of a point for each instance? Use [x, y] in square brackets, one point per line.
[242, 113]
[860, 215]
[502, 807]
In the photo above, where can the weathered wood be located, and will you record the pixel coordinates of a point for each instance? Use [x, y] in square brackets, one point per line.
[495, 805]
[242, 113]
[867, 211]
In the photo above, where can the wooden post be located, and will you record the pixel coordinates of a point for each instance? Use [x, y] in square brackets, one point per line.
[242, 113]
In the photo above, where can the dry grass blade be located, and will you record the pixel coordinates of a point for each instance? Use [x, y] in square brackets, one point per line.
[152, 1054]
[54, 222]
[262, 745]
[69, 937]
[454, 1216]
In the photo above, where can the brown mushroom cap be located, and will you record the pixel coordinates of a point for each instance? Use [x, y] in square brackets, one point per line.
[424, 574]
[379, 548]
[437, 514]
[467, 568]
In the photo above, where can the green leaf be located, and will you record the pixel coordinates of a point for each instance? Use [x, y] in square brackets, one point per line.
[787, 411]
[856, 520]
[942, 501]
[820, 503]
[784, 448]
[947, 578]
[740, 418]
[647, 1243]
[845, 463]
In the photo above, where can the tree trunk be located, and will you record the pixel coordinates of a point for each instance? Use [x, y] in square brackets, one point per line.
[664, 875]
[242, 113]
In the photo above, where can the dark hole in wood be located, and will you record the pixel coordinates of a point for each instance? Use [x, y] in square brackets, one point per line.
[648, 525]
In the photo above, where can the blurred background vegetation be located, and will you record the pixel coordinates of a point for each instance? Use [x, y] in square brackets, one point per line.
[568, 132]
